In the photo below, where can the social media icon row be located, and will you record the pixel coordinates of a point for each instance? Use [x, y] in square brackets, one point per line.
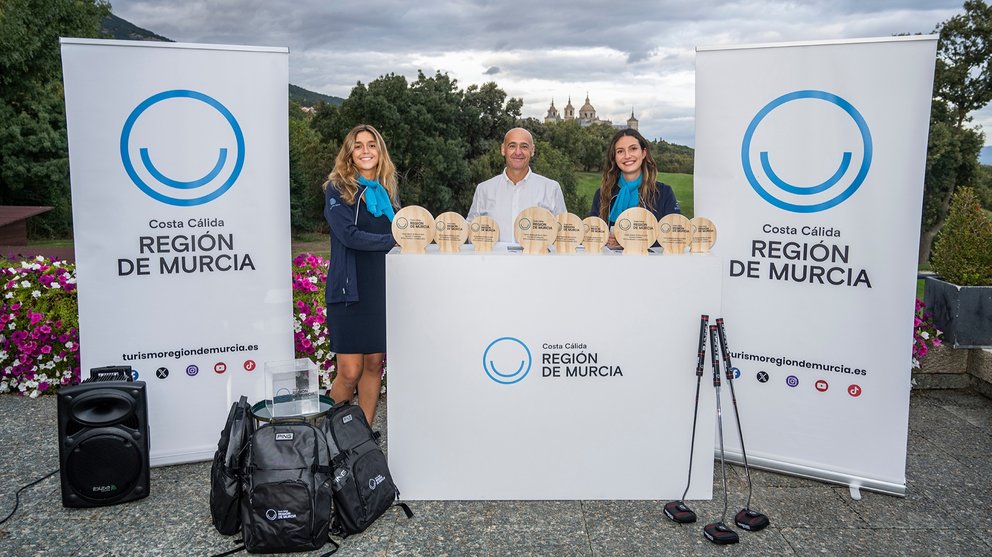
[193, 370]
[792, 381]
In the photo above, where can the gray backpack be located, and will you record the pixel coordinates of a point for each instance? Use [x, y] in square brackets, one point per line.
[286, 489]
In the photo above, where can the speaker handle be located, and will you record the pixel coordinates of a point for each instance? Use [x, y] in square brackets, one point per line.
[111, 373]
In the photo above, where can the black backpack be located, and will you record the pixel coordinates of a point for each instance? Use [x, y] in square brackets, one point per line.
[286, 489]
[363, 488]
[225, 481]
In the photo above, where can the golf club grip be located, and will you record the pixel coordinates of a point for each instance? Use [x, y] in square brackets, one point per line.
[701, 359]
[723, 344]
[716, 356]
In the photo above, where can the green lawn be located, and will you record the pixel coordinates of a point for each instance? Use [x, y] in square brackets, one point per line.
[681, 183]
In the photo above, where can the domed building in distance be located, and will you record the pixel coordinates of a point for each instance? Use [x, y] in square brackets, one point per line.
[587, 115]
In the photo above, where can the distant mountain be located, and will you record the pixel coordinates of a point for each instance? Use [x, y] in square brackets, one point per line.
[114, 27]
[304, 97]
[985, 156]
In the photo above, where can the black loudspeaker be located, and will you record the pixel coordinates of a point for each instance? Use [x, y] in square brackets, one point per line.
[103, 440]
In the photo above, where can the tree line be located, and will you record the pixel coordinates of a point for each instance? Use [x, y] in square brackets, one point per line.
[443, 139]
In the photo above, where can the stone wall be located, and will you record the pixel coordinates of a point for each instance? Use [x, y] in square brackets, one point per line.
[955, 368]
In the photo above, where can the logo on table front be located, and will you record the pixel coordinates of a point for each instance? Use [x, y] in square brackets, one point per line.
[826, 165]
[507, 360]
[182, 147]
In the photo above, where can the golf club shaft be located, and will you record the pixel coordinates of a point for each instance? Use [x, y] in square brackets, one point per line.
[719, 417]
[700, 363]
[733, 397]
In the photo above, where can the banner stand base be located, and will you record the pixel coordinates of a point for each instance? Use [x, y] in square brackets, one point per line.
[854, 483]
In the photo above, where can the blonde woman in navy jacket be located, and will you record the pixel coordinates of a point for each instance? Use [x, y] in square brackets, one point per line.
[359, 203]
[629, 180]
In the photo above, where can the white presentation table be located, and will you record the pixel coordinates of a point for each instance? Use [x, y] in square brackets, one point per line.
[516, 376]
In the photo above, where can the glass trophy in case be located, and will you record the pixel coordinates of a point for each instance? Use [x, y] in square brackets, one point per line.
[292, 388]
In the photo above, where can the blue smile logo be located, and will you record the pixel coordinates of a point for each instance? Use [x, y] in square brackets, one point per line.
[207, 125]
[819, 112]
[507, 360]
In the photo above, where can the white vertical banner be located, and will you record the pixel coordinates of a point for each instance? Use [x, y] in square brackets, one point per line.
[810, 159]
[179, 167]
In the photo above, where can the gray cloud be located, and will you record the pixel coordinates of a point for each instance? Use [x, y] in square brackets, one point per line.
[626, 55]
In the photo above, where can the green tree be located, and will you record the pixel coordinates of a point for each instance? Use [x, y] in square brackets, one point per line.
[310, 161]
[553, 163]
[435, 132]
[962, 84]
[34, 167]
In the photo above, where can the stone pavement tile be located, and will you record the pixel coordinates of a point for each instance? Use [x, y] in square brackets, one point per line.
[980, 417]
[802, 507]
[535, 528]
[440, 528]
[920, 445]
[626, 533]
[953, 397]
[885, 543]
[934, 419]
[567, 539]
[915, 511]
[34, 535]
[963, 495]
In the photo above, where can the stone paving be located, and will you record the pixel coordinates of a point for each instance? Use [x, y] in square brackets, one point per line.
[948, 509]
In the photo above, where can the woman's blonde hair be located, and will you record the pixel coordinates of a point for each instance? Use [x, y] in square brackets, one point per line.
[344, 177]
[611, 174]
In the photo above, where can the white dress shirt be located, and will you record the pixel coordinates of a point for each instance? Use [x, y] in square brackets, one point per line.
[503, 200]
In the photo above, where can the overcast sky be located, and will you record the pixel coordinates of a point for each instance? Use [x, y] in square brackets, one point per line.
[636, 56]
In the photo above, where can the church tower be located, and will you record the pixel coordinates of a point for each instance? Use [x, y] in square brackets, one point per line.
[569, 110]
[632, 122]
[587, 113]
[553, 115]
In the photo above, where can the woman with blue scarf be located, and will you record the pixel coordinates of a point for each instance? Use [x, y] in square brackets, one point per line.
[629, 181]
[359, 199]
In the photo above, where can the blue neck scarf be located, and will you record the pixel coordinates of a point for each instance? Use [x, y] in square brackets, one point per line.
[627, 198]
[376, 198]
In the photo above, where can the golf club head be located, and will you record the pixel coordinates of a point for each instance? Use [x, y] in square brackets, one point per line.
[679, 512]
[720, 534]
[752, 521]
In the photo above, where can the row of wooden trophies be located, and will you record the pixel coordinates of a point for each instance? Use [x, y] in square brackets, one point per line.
[536, 230]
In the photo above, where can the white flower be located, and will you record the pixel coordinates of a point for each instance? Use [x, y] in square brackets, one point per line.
[11, 326]
[34, 394]
[55, 285]
[9, 295]
[68, 344]
[25, 283]
[3, 354]
[35, 293]
[925, 335]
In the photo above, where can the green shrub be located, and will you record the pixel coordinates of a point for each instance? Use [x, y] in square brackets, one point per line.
[962, 252]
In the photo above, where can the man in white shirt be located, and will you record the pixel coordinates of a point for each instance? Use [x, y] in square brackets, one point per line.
[517, 188]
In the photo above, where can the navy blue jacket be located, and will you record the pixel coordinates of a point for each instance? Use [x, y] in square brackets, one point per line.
[346, 237]
[664, 203]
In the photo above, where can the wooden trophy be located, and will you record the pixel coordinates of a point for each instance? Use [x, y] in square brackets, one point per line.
[483, 232]
[450, 232]
[636, 230]
[535, 229]
[413, 229]
[596, 234]
[674, 233]
[703, 235]
[570, 233]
